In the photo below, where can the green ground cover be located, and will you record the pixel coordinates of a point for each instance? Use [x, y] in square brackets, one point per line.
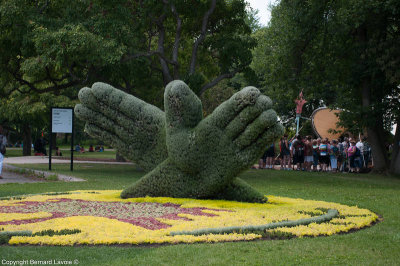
[376, 245]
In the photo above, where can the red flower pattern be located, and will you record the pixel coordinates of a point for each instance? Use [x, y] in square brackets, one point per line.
[142, 214]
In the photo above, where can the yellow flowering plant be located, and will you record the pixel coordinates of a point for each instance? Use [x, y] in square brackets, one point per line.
[102, 217]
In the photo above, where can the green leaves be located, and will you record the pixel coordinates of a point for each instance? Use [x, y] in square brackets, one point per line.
[74, 43]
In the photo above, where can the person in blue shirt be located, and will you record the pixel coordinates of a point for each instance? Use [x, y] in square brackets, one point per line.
[323, 155]
[334, 154]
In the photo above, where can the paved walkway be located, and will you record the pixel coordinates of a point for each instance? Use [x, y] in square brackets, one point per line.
[11, 174]
[10, 177]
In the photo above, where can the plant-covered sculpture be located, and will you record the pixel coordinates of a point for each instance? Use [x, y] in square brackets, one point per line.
[189, 157]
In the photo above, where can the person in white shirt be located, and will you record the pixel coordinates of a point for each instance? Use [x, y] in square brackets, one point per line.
[360, 146]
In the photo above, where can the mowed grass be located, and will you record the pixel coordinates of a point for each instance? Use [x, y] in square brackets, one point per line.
[377, 245]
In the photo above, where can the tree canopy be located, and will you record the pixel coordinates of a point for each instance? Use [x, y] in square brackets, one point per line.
[57, 47]
[138, 46]
[344, 54]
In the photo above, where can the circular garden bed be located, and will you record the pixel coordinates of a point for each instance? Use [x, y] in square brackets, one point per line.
[102, 217]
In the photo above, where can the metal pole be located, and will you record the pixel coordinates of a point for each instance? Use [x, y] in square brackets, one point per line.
[72, 143]
[50, 135]
[298, 122]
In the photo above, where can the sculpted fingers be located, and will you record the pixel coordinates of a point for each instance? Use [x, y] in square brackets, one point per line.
[251, 153]
[229, 109]
[183, 109]
[254, 130]
[247, 116]
[106, 136]
[135, 128]
[129, 130]
[113, 102]
[86, 97]
[93, 117]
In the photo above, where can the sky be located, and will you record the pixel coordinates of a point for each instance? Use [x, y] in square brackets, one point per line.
[263, 9]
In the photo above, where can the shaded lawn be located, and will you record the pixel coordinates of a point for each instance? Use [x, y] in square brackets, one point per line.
[379, 244]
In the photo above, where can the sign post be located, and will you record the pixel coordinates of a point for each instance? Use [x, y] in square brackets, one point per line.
[62, 121]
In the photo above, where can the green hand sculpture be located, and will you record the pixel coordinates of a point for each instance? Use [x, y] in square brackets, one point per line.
[132, 126]
[194, 157]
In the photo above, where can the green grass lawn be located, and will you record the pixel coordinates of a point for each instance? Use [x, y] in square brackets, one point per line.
[379, 244]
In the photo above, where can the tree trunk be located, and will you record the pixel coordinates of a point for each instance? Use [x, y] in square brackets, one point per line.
[395, 161]
[395, 165]
[379, 153]
[27, 140]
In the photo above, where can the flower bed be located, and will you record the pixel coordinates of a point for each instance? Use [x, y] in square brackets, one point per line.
[102, 217]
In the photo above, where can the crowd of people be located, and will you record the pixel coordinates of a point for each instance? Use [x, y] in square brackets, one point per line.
[307, 154]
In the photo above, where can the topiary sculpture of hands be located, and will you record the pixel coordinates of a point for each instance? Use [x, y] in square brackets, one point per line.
[202, 156]
[132, 126]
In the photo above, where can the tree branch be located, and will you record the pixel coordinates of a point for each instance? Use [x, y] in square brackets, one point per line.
[177, 40]
[54, 88]
[201, 38]
[43, 8]
[50, 78]
[160, 52]
[160, 49]
[218, 79]
[148, 54]
[24, 82]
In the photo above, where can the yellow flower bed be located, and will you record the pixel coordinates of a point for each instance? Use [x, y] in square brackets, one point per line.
[111, 226]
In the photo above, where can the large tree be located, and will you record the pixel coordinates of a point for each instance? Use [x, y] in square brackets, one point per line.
[27, 114]
[344, 54]
[138, 46]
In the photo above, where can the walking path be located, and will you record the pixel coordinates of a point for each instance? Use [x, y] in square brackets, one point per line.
[11, 177]
[12, 174]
